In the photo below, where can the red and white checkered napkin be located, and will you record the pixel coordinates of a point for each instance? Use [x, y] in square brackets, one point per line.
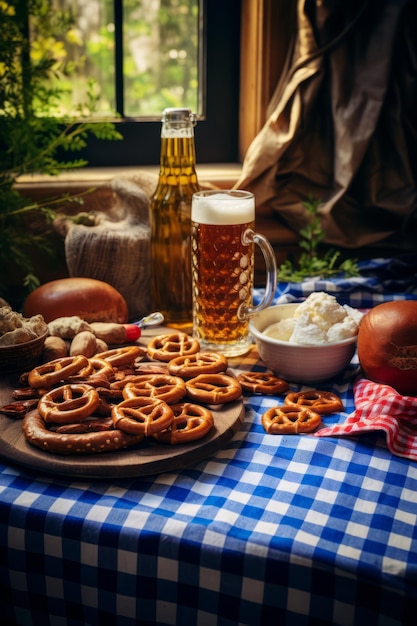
[380, 407]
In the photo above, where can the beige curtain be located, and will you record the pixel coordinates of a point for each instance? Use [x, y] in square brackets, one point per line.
[342, 124]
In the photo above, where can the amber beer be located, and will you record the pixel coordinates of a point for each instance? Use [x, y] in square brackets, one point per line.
[222, 255]
[170, 220]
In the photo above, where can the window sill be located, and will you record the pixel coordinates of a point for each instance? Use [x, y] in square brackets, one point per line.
[222, 175]
[218, 174]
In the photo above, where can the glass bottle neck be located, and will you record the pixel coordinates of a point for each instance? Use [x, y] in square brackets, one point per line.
[177, 148]
[177, 152]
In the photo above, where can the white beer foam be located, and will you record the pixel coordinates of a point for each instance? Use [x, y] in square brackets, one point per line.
[222, 209]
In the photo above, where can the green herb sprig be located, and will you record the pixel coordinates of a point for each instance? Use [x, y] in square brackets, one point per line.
[310, 263]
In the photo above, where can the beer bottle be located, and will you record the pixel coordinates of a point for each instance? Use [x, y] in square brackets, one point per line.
[170, 218]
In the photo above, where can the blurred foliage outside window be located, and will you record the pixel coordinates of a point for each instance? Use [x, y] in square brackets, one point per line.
[141, 55]
[61, 73]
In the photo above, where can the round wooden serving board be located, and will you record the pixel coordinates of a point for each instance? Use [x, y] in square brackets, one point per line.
[146, 458]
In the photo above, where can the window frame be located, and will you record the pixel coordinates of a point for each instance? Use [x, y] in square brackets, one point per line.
[267, 31]
[216, 133]
[262, 34]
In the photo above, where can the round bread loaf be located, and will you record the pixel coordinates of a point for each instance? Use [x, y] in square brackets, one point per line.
[387, 345]
[92, 300]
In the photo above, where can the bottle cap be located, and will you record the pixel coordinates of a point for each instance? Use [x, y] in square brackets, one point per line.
[179, 115]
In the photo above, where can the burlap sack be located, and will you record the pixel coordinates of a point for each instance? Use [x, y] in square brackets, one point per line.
[110, 239]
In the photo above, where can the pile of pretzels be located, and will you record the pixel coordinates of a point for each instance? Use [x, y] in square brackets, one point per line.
[116, 399]
[120, 397]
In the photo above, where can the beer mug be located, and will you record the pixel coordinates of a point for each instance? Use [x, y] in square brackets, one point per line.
[222, 251]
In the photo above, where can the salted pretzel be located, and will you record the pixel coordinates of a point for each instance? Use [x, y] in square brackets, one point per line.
[97, 369]
[213, 388]
[290, 420]
[323, 402]
[121, 356]
[262, 382]
[54, 372]
[38, 434]
[198, 363]
[191, 422]
[68, 403]
[167, 347]
[142, 415]
[162, 386]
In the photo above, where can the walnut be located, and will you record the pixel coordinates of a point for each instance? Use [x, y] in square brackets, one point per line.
[16, 329]
[68, 327]
[16, 336]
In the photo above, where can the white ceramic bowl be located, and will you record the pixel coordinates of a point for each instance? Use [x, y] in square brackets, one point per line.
[295, 362]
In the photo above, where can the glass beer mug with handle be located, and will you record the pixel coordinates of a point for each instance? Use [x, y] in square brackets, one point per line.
[222, 251]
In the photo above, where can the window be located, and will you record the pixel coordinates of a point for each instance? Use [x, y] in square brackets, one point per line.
[142, 55]
[246, 44]
[209, 84]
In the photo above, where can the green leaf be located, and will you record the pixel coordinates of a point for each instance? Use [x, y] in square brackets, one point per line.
[32, 137]
[309, 263]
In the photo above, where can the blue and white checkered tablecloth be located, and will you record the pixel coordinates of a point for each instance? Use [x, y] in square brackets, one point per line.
[271, 529]
[379, 280]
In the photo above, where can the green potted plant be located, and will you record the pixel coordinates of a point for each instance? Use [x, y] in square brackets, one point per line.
[32, 138]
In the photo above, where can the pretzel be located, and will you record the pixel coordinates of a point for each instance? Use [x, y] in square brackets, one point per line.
[198, 363]
[104, 408]
[53, 372]
[191, 422]
[111, 393]
[262, 382]
[23, 379]
[213, 388]
[68, 403]
[290, 420]
[37, 434]
[120, 383]
[27, 393]
[121, 356]
[322, 402]
[150, 368]
[167, 347]
[142, 415]
[162, 386]
[96, 372]
[123, 371]
[89, 425]
[107, 399]
[19, 408]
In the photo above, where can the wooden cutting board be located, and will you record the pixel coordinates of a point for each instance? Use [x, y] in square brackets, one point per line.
[147, 458]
